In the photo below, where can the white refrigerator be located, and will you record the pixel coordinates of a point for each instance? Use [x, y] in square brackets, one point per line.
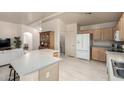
[83, 43]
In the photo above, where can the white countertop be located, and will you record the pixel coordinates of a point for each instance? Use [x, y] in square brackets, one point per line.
[33, 61]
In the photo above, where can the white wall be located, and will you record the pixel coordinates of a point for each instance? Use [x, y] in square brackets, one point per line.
[56, 26]
[7, 30]
[35, 35]
[10, 30]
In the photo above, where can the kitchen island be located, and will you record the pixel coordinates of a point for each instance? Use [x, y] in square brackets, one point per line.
[37, 65]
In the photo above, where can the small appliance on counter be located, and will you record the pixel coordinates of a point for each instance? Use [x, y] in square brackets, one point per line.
[117, 46]
[117, 36]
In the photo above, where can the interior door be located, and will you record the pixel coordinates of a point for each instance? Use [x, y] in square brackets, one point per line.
[72, 44]
[71, 40]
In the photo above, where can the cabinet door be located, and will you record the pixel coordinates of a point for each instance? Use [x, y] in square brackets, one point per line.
[70, 40]
[102, 56]
[117, 26]
[95, 53]
[97, 35]
[99, 54]
[107, 34]
[121, 26]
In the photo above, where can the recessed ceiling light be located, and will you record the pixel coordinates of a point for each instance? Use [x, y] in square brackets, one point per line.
[40, 28]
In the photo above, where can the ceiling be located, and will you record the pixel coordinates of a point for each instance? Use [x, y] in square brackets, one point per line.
[23, 17]
[82, 18]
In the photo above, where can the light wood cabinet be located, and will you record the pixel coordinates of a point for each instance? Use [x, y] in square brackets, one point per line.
[98, 54]
[120, 27]
[104, 34]
[97, 35]
[107, 34]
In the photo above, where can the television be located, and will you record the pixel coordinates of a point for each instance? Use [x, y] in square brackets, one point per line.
[5, 43]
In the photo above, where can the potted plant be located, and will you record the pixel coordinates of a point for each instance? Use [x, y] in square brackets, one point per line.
[17, 42]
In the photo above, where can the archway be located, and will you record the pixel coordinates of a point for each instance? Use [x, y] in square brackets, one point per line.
[27, 40]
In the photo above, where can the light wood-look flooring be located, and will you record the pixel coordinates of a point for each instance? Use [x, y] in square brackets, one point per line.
[72, 69]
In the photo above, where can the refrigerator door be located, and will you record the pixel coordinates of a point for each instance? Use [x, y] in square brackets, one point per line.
[83, 42]
[83, 46]
[83, 54]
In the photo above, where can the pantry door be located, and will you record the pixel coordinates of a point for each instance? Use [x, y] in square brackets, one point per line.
[71, 40]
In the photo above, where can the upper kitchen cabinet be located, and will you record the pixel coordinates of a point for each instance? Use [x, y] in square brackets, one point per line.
[107, 34]
[121, 27]
[97, 35]
[85, 32]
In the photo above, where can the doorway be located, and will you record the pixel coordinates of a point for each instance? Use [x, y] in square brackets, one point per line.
[27, 40]
[62, 43]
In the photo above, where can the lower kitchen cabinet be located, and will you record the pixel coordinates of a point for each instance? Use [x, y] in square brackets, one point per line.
[99, 54]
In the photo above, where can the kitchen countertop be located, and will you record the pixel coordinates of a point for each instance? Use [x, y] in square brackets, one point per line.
[102, 46]
[114, 52]
[33, 61]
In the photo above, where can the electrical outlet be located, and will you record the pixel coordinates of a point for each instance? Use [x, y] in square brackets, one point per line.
[47, 74]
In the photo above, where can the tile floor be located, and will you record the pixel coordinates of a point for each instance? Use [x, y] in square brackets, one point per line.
[72, 69]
